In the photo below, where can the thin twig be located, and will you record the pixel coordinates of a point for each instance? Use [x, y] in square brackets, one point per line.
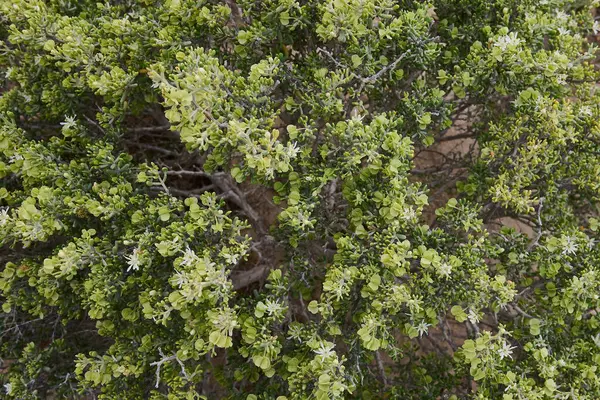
[159, 364]
[390, 67]
[380, 368]
[232, 193]
[91, 121]
[153, 148]
[163, 184]
[189, 173]
[332, 58]
[520, 311]
[456, 137]
[540, 231]
[158, 128]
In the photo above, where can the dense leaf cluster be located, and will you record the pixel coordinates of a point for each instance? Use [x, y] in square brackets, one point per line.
[299, 199]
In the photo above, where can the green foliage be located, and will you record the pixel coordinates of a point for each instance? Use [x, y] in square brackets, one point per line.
[206, 199]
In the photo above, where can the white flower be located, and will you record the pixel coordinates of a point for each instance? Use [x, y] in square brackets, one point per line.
[188, 257]
[561, 15]
[409, 213]
[180, 279]
[414, 305]
[8, 388]
[422, 328]
[505, 351]
[16, 157]
[133, 260]
[445, 270]
[231, 258]
[570, 246]
[508, 42]
[37, 230]
[596, 339]
[4, 216]
[325, 349]
[293, 150]
[304, 220]
[563, 31]
[473, 317]
[540, 105]
[586, 111]
[596, 27]
[69, 123]
[273, 307]
[540, 342]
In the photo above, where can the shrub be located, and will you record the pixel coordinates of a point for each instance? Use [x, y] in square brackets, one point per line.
[289, 199]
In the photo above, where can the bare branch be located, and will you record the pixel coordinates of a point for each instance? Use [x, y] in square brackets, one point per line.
[445, 332]
[232, 193]
[246, 278]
